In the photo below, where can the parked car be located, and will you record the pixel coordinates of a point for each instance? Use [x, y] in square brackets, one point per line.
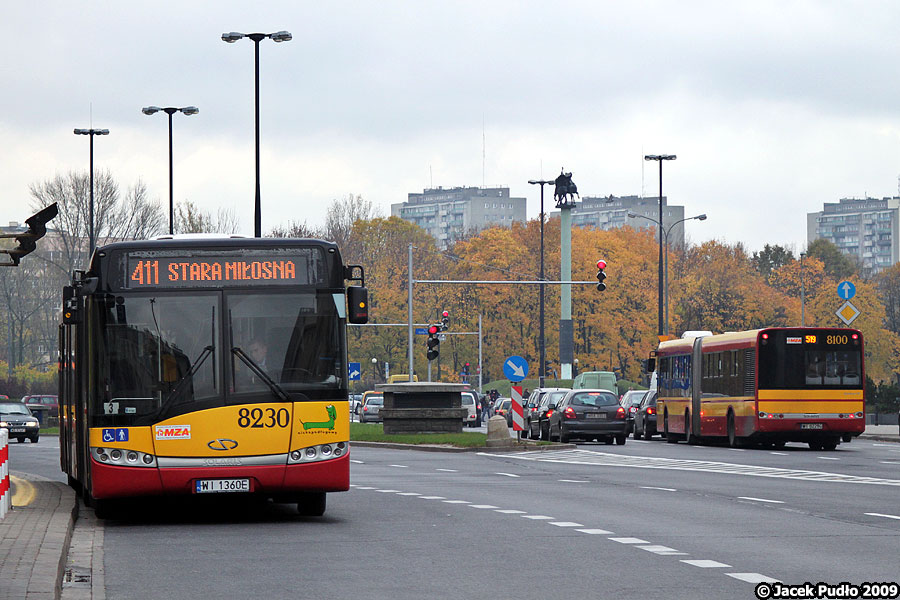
[17, 419]
[470, 403]
[371, 407]
[630, 402]
[589, 415]
[531, 407]
[645, 417]
[539, 425]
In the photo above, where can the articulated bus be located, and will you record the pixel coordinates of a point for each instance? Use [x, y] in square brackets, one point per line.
[204, 366]
[767, 386]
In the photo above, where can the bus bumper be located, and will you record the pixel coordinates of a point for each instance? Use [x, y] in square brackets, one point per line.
[114, 481]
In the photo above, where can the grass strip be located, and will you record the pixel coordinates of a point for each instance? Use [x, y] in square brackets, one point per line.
[374, 432]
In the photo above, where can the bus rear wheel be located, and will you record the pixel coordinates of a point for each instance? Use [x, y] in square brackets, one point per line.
[689, 436]
[311, 504]
[733, 440]
[670, 437]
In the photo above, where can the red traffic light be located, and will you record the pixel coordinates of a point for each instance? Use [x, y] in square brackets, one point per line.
[446, 313]
[433, 330]
[467, 364]
[601, 264]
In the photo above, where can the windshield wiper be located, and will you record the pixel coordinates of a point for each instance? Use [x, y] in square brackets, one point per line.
[189, 375]
[276, 389]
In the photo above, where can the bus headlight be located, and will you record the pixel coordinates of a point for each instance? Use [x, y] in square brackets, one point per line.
[120, 456]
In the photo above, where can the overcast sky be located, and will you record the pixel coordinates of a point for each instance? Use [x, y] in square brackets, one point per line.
[771, 107]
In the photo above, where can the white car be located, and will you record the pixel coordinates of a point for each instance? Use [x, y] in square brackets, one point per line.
[468, 402]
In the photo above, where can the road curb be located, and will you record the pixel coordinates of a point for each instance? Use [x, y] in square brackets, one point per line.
[881, 438]
[436, 448]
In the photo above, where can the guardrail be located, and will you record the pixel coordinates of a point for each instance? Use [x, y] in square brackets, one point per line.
[5, 491]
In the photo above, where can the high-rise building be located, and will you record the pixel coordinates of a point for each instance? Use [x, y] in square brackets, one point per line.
[868, 228]
[452, 213]
[612, 211]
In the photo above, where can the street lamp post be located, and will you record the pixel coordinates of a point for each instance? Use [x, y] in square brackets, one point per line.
[170, 110]
[660, 158]
[278, 36]
[374, 372]
[541, 348]
[91, 132]
[666, 261]
[802, 293]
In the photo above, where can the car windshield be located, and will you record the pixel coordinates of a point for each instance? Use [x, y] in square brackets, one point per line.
[594, 399]
[14, 409]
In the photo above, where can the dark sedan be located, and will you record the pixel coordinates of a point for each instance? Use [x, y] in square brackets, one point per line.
[645, 417]
[630, 402]
[18, 420]
[539, 425]
[588, 415]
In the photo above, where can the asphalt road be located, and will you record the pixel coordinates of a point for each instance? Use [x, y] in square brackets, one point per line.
[644, 520]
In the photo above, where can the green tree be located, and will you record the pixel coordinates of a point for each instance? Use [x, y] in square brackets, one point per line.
[837, 264]
[771, 258]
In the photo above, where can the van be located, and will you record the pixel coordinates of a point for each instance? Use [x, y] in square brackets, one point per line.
[401, 378]
[596, 380]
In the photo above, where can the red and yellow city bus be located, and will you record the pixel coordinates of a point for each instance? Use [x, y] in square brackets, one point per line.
[766, 386]
[202, 366]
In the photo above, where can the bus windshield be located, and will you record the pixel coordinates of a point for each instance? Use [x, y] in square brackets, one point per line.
[816, 359]
[190, 351]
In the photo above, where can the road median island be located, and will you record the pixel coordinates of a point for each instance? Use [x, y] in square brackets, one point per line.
[372, 435]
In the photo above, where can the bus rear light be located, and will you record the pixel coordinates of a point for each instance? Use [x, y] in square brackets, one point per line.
[318, 453]
[859, 415]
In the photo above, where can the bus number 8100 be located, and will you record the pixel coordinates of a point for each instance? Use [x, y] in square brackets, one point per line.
[257, 418]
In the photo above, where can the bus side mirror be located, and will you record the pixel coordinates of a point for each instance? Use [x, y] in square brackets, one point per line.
[650, 365]
[357, 305]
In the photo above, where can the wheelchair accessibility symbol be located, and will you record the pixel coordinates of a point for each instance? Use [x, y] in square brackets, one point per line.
[119, 434]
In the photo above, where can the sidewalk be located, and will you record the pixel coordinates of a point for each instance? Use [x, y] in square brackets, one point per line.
[884, 433]
[34, 538]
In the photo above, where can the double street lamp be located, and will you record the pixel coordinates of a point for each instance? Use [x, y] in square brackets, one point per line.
[660, 158]
[91, 132]
[278, 36]
[665, 232]
[541, 347]
[171, 110]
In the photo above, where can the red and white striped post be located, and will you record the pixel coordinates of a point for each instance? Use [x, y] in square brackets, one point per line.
[518, 420]
[5, 492]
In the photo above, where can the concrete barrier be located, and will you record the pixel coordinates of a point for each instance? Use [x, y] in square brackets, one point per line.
[498, 433]
[5, 491]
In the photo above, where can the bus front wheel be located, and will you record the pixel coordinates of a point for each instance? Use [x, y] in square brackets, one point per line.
[312, 504]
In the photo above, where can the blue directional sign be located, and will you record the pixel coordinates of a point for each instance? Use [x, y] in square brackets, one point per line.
[354, 371]
[515, 368]
[846, 290]
[421, 331]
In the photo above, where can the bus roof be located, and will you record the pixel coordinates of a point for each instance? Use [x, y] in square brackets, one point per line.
[731, 338]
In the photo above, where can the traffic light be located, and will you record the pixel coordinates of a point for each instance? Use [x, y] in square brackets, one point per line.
[27, 240]
[465, 370]
[601, 264]
[445, 320]
[434, 343]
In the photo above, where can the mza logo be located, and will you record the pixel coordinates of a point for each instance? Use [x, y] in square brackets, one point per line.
[173, 432]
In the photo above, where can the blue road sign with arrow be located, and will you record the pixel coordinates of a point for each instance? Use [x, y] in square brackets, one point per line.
[354, 371]
[846, 290]
[515, 368]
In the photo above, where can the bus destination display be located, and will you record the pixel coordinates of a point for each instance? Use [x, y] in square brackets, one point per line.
[191, 272]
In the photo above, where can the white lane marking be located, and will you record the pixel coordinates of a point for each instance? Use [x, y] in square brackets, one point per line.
[885, 516]
[594, 531]
[432, 497]
[885, 445]
[456, 502]
[760, 499]
[605, 459]
[400, 466]
[538, 517]
[752, 577]
[359, 462]
[506, 474]
[735, 449]
[779, 453]
[629, 540]
[640, 442]
[409, 494]
[889, 462]
[573, 481]
[448, 470]
[650, 487]
[365, 487]
[828, 458]
[388, 491]
[482, 506]
[706, 564]
[510, 511]
[664, 550]
[566, 524]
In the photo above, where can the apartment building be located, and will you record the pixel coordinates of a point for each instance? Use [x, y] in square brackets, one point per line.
[611, 212]
[868, 228]
[449, 214]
